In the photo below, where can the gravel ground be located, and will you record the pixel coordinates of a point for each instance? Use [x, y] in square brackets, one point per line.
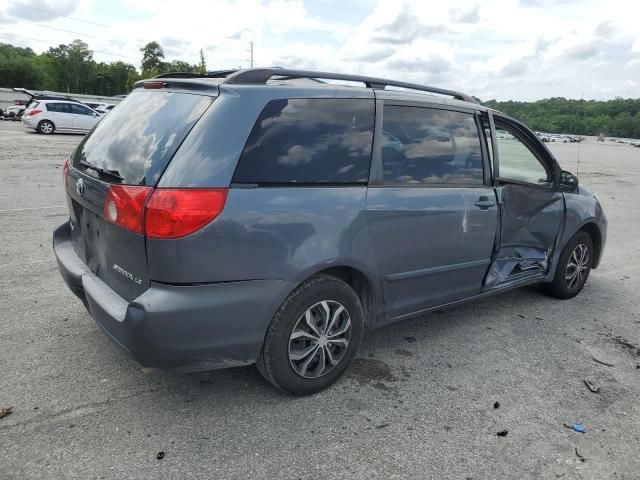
[418, 403]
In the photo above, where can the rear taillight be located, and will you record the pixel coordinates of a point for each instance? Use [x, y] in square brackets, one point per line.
[124, 206]
[175, 212]
[33, 112]
[163, 212]
[65, 172]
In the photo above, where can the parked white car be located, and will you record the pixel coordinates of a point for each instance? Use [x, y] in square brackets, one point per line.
[13, 112]
[104, 108]
[49, 116]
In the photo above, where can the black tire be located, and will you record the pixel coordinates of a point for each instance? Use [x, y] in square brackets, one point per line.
[562, 288]
[274, 362]
[46, 127]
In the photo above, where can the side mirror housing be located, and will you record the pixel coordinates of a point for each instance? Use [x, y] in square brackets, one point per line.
[568, 182]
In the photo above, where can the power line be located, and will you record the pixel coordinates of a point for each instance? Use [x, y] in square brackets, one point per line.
[53, 28]
[57, 14]
[48, 42]
[63, 30]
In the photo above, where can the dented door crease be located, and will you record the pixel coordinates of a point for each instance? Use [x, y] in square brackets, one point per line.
[530, 222]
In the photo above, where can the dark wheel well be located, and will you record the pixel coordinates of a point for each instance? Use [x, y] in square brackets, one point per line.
[594, 232]
[360, 284]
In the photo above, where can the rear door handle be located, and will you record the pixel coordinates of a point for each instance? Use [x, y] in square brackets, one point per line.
[484, 203]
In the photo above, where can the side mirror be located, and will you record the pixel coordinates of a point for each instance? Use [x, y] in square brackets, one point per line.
[568, 182]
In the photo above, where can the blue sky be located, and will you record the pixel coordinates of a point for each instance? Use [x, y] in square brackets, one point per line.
[504, 49]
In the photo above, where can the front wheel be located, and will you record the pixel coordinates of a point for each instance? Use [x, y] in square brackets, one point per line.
[313, 336]
[573, 268]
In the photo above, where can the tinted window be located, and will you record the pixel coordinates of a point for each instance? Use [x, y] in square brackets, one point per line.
[58, 107]
[80, 110]
[137, 140]
[309, 141]
[516, 160]
[423, 146]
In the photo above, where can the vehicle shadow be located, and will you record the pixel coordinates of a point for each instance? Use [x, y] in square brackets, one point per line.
[221, 388]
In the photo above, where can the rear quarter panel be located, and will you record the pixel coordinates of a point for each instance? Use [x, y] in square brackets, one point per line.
[283, 233]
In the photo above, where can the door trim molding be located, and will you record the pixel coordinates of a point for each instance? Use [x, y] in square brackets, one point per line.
[398, 277]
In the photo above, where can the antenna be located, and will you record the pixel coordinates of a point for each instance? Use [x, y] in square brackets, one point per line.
[580, 116]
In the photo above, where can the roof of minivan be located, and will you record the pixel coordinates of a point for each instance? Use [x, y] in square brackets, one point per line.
[224, 79]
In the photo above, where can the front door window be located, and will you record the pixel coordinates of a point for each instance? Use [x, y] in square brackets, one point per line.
[517, 161]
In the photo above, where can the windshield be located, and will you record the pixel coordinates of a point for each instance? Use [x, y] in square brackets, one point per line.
[134, 143]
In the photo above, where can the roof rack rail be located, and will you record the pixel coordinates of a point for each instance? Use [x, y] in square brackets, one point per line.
[260, 76]
[212, 74]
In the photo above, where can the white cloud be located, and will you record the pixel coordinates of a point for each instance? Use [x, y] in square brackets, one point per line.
[519, 49]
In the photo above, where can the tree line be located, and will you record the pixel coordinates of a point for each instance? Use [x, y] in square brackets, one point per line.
[71, 68]
[619, 117]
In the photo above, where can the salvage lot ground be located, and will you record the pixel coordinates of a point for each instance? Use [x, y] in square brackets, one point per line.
[418, 403]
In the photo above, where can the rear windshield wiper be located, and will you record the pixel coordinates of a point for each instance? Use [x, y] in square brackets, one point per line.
[110, 173]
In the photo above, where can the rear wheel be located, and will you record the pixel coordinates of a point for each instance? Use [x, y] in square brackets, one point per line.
[46, 127]
[313, 336]
[573, 268]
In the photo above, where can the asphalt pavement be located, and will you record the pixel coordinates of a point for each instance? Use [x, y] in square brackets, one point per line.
[425, 399]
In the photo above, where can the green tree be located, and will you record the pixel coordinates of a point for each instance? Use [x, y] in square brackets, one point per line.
[178, 66]
[74, 67]
[615, 117]
[152, 57]
[18, 67]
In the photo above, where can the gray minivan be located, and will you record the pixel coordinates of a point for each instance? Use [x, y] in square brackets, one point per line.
[267, 216]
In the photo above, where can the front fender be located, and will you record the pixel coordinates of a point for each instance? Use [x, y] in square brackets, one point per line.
[582, 212]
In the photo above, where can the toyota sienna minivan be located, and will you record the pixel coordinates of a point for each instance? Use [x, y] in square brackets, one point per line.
[271, 216]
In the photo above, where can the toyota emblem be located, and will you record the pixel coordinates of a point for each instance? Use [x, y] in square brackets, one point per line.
[80, 187]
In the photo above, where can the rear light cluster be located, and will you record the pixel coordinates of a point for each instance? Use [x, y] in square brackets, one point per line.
[163, 212]
[34, 111]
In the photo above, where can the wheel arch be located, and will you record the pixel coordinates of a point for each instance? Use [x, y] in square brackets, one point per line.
[593, 230]
[361, 283]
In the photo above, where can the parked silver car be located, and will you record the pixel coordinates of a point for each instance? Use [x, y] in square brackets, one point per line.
[49, 116]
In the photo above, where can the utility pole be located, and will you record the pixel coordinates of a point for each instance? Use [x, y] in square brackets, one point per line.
[251, 54]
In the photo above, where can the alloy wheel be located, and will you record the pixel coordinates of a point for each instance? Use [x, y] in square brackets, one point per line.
[577, 267]
[319, 339]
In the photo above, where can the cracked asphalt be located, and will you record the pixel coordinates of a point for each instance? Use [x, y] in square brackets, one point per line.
[417, 403]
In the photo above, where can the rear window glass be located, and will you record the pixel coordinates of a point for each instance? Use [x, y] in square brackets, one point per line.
[134, 143]
[309, 141]
[427, 146]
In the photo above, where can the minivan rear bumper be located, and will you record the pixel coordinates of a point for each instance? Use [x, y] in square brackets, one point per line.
[187, 328]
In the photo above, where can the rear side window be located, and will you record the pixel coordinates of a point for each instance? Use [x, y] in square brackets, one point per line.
[427, 146]
[58, 107]
[134, 143]
[309, 141]
[79, 109]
